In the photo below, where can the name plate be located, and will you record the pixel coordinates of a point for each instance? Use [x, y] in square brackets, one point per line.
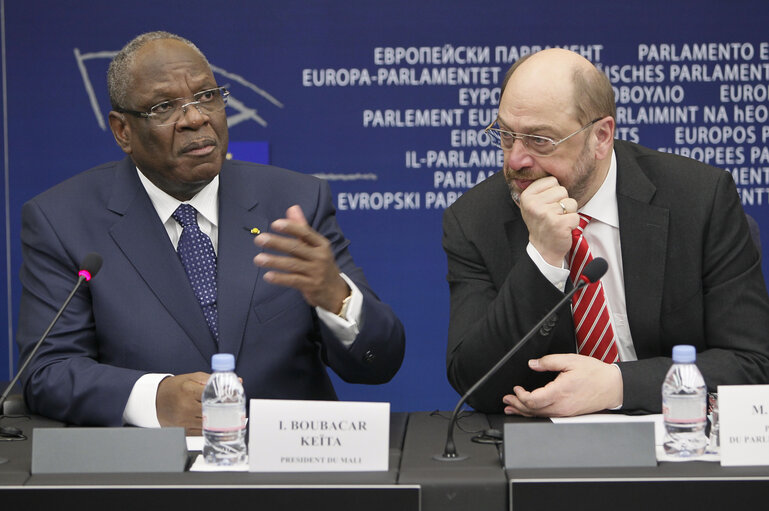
[744, 424]
[579, 445]
[318, 436]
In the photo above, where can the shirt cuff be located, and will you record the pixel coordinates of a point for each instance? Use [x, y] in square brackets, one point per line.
[140, 410]
[345, 329]
[556, 276]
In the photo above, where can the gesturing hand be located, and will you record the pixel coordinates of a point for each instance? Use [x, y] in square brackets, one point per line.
[307, 265]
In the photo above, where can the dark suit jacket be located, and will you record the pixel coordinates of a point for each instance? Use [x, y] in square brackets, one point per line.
[139, 314]
[692, 276]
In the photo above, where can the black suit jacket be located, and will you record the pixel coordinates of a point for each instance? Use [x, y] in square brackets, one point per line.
[691, 271]
[139, 314]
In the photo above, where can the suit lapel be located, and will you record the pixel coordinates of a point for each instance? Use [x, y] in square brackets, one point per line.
[644, 240]
[503, 258]
[236, 273]
[144, 241]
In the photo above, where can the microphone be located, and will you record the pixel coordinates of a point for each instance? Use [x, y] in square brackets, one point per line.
[88, 269]
[593, 271]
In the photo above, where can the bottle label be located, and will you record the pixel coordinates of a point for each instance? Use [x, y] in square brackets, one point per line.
[683, 409]
[223, 418]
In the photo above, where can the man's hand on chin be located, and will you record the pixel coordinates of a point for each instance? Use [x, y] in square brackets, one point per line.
[584, 385]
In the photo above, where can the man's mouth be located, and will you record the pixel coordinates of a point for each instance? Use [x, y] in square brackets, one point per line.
[199, 148]
[522, 184]
[521, 178]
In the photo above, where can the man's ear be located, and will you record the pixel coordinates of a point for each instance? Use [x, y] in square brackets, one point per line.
[121, 130]
[604, 134]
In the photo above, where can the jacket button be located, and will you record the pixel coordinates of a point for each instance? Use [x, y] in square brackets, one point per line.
[369, 357]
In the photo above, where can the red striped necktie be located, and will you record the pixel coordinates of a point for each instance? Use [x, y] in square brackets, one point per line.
[594, 331]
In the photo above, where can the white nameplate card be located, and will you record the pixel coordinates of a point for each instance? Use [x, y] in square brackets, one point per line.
[744, 424]
[318, 436]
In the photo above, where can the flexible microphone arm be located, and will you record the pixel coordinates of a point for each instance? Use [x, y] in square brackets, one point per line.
[594, 270]
[90, 266]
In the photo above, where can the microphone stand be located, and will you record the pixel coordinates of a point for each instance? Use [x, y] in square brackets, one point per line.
[80, 280]
[90, 266]
[591, 274]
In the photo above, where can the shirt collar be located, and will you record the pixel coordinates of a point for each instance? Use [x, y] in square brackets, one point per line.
[205, 201]
[603, 205]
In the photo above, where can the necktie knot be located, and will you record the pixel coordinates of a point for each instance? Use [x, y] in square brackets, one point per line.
[577, 232]
[186, 215]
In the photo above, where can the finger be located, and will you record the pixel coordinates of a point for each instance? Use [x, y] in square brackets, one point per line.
[290, 245]
[200, 377]
[571, 220]
[297, 281]
[511, 410]
[516, 399]
[548, 201]
[557, 362]
[514, 406]
[296, 214]
[512, 399]
[193, 389]
[570, 204]
[521, 394]
[299, 229]
[286, 264]
[536, 400]
[541, 185]
[553, 194]
[536, 365]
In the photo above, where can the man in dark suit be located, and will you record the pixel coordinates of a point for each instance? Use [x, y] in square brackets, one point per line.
[682, 266]
[135, 344]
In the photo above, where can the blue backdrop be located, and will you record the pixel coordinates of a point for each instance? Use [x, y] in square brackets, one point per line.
[385, 100]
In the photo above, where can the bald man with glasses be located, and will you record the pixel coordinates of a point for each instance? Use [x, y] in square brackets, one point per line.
[683, 268]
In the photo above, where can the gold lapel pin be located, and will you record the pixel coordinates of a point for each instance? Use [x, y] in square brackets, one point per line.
[255, 230]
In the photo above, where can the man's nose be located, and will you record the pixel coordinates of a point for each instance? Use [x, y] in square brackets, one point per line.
[517, 156]
[192, 115]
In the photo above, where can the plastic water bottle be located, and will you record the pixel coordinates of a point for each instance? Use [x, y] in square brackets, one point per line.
[684, 405]
[224, 414]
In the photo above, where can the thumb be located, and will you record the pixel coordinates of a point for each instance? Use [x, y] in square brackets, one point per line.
[549, 363]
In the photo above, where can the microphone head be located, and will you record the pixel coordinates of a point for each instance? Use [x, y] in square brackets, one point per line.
[594, 270]
[90, 266]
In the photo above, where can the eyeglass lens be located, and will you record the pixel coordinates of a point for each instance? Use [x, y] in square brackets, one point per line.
[505, 140]
[170, 112]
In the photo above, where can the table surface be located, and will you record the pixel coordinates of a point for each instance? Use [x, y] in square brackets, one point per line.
[421, 482]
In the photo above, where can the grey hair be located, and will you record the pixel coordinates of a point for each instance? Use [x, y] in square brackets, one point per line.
[119, 72]
[593, 95]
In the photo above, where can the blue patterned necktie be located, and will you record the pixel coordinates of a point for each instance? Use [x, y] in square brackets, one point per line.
[197, 255]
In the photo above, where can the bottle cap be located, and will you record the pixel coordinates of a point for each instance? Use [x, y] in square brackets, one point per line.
[684, 354]
[223, 362]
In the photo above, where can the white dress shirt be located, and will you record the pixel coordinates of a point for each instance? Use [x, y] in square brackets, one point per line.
[140, 409]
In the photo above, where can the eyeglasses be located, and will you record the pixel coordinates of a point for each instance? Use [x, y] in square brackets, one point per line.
[535, 144]
[172, 111]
